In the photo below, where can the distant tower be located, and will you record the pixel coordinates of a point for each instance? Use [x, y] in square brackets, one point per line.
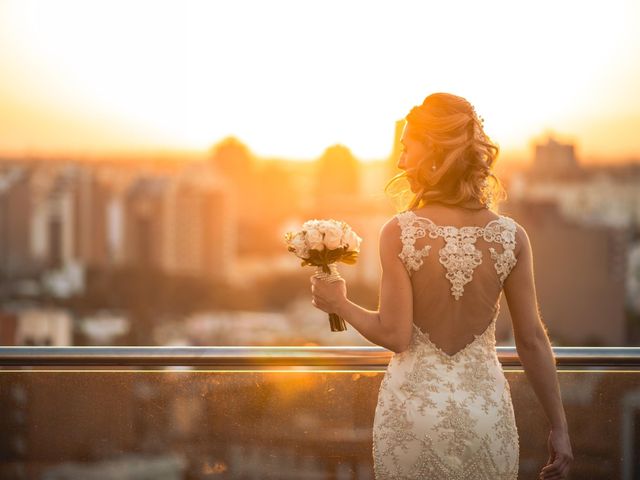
[395, 149]
[233, 159]
[554, 160]
[337, 177]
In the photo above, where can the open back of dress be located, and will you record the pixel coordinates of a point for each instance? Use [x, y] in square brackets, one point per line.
[444, 407]
[457, 273]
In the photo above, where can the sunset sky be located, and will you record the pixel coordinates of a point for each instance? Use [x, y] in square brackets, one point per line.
[290, 78]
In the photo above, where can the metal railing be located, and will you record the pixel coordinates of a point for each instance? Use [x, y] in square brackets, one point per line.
[228, 357]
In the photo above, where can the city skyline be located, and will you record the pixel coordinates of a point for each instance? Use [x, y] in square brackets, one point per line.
[290, 80]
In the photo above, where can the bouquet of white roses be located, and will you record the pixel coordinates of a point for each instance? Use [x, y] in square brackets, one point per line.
[322, 243]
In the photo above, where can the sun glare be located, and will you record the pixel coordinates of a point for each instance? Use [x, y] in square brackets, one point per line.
[291, 78]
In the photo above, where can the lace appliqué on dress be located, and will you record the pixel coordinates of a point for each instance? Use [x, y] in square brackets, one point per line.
[409, 232]
[442, 416]
[459, 255]
[504, 233]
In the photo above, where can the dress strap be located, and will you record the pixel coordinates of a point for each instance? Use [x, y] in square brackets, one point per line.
[409, 233]
[505, 234]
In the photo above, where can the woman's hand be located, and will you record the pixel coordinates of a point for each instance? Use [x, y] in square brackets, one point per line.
[328, 296]
[560, 456]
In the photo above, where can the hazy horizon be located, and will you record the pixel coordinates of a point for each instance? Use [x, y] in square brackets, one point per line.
[505, 156]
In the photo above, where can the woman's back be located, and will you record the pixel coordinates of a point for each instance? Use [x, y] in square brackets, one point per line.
[458, 261]
[444, 407]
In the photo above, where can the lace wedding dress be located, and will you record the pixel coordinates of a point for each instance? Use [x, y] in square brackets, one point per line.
[447, 413]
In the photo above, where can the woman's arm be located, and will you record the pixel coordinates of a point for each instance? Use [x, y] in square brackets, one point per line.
[532, 342]
[390, 325]
[534, 350]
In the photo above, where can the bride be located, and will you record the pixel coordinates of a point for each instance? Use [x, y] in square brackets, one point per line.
[444, 408]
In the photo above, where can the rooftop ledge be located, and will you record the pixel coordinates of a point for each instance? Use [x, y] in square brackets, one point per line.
[239, 357]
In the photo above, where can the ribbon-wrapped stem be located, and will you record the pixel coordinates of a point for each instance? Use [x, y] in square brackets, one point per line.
[329, 273]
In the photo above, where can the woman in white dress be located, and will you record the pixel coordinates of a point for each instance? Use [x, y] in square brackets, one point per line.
[444, 407]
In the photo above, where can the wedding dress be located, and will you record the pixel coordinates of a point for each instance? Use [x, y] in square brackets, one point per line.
[447, 413]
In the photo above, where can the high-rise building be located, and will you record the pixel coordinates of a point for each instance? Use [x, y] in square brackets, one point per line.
[580, 273]
[554, 160]
[16, 207]
[198, 228]
[57, 211]
[183, 225]
[91, 197]
[144, 221]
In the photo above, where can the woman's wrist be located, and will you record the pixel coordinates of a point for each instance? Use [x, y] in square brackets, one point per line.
[342, 307]
[560, 425]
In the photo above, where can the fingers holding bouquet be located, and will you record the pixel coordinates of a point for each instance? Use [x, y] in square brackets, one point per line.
[323, 243]
[328, 295]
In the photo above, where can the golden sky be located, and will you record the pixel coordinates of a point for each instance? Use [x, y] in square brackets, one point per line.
[290, 78]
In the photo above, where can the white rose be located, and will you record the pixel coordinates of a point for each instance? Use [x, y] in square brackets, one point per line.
[326, 225]
[353, 241]
[333, 237]
[310, 224]
[300, 245]
[322, 226]
[314, 239]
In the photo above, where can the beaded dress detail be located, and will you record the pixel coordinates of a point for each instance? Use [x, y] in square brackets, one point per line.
[448, 415]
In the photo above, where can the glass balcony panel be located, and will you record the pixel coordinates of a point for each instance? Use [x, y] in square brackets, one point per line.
[164, 422]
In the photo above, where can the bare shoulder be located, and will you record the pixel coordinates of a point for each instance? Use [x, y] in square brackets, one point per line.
[390, 229]
[390, 234]
[391, 225]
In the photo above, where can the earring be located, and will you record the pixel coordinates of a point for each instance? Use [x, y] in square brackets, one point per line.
[433, 166]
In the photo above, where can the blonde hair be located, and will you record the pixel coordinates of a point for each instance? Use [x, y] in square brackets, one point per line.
[448, 126]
